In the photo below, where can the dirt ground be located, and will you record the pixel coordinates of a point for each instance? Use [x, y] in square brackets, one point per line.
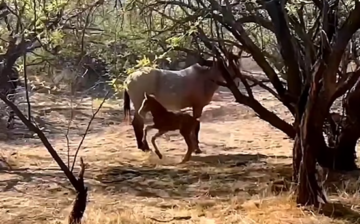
[242, 176]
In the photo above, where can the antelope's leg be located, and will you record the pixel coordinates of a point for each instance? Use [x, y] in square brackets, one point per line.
[146, 129]
[197, 111]
[154, 144]
[138, 126]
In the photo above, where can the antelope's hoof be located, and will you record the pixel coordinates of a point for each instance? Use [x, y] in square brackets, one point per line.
[197, 151]
[145, 147]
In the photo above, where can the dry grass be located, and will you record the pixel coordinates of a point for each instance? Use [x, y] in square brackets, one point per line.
[243, 176]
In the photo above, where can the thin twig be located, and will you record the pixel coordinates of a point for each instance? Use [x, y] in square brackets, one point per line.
[88, 128]
[67, 132]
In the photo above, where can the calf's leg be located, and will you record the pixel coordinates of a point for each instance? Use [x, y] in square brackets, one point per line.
[154, 144]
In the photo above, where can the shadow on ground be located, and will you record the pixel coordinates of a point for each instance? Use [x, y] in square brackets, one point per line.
[218, 176]
[221, 176]
[45, 180]
[340, 211]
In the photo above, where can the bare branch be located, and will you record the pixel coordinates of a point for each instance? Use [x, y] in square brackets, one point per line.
[286, 47]
[87, 129]
[258, 20]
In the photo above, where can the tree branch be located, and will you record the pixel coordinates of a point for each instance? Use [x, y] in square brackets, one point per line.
[258, 20]
[286, 47]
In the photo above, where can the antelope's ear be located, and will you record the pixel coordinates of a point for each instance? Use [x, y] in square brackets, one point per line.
[145, 95]
[205, 62]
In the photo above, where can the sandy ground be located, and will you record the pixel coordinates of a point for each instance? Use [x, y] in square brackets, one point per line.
[242, 176]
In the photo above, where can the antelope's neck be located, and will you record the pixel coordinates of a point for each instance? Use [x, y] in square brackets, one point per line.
[158, 111]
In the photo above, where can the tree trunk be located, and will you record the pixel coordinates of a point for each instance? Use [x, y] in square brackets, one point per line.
[311, 140]
[344, 153]
[79, 207]
[297, 156]
[341, 153]
[309, 191]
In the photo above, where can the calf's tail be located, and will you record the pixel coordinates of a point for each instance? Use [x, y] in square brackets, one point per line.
[126, 105]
